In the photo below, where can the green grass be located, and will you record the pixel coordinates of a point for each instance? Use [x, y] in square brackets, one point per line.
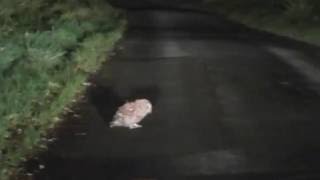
[298, 19]
[43, 67]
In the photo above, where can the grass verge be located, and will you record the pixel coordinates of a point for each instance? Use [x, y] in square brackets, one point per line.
[44, 60]
[297, 19]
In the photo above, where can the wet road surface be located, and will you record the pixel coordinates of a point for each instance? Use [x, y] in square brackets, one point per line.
[226, 106]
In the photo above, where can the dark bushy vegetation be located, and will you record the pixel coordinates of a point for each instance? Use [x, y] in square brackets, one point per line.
[296, 18]
[47, 50]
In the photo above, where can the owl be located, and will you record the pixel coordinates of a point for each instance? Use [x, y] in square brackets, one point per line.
[131, 113]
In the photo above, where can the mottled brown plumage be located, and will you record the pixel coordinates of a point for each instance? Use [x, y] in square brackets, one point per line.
[131, 113]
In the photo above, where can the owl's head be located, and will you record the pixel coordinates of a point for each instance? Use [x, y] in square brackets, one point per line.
[146, 104]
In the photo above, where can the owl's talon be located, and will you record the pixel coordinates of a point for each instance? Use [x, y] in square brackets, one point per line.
[134, 126]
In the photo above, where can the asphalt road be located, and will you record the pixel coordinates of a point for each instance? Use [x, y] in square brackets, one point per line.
[226, 106]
